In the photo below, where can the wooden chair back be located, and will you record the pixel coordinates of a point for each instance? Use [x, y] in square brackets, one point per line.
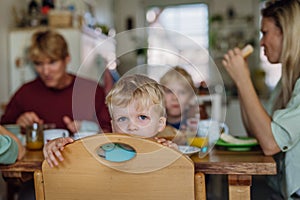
[156, 172]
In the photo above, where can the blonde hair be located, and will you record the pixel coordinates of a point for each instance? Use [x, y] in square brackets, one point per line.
[180, 75]
[48, 44]
[136, 88]
[286, 15]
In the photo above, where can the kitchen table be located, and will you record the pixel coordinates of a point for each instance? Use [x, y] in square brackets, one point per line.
[238, 166]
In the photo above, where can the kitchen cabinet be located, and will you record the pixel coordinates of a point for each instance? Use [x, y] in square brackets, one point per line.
[90, 53]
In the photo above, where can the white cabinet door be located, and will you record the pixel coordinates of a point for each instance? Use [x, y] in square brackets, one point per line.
[20, 70]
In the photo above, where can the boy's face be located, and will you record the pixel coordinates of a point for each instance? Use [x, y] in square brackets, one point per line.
[177, 98]
[143, 122]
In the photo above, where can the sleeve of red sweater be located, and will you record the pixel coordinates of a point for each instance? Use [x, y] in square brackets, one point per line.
[102, 112]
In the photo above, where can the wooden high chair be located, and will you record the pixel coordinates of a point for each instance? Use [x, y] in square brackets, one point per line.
[156, 172]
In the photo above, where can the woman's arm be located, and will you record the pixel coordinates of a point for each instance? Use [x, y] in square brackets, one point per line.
[256, 119]
[21, 148]
[244, 118]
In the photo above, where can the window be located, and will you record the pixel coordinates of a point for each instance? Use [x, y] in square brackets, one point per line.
[190, 25]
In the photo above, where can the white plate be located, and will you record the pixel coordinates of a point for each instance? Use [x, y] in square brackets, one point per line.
[188, 150]
[80, 135]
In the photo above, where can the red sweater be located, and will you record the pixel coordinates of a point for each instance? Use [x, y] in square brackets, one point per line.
[82, 100]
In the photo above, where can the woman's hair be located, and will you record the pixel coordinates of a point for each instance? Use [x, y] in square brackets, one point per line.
[48, 44]
[286, 15]
[180, 76]
[136, 88]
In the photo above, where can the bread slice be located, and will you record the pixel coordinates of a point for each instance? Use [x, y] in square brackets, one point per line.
[172, 134]
[233, 140]
[169, 133]
[247, 50]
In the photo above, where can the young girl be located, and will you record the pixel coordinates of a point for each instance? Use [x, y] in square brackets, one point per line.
[179, 93]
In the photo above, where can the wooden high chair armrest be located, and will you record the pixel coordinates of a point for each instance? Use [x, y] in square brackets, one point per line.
[38, 185]
[200, 190]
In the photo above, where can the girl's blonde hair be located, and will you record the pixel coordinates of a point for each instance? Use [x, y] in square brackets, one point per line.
[48, 44]
[136, 88]
[286, 15]
[179, 75]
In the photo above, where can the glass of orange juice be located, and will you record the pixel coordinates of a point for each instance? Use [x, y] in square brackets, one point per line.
[198, 141]
[34, 137]
[197, 136]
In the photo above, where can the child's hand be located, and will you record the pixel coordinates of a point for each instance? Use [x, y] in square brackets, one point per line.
[167, 143]
[52, 150]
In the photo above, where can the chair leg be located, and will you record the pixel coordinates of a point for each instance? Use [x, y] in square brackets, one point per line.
[200, 188]
[39, 185]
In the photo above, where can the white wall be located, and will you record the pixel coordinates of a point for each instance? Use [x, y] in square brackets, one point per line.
[103, 12]
[6, 22]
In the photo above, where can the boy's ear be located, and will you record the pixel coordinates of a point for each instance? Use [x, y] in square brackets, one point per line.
[162, 124]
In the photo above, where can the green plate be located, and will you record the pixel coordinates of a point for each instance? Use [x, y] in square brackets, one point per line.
[237, 147]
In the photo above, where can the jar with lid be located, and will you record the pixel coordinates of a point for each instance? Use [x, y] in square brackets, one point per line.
[34, 137]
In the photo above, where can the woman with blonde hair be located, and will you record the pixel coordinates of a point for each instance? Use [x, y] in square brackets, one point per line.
[276, 127]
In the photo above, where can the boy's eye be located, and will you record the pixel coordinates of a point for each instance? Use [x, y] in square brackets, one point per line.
[143, 117]
[121, 119]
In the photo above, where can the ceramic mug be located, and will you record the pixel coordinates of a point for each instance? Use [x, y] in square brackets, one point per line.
[205, 125]
[16, 129]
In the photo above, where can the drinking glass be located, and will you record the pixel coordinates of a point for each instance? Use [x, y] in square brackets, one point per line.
[34, 137]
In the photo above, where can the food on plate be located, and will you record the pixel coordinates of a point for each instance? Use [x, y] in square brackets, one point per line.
[233, 140]
[169, 133]
[247, 50]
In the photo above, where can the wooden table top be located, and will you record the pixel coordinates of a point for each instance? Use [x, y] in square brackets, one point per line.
[230, 162]
[217, 162]
[31, 161]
